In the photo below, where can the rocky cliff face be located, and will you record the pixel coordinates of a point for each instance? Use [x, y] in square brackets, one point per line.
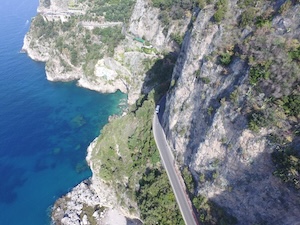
[145, 22]
[206, 121]
[234, 70]
[95, 201]
[122, 66]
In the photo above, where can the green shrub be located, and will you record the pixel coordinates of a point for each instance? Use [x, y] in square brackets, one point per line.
[113, 10]
[177, 37]
[225, 58]
[210, 110]
[263, 22]
[162, 4]
[287, 164]
[177, 14]
[201, 3]
[205, 80]
[248, 16]
[197, 73]
[74, 57]
[211, 213]
[295, 54]
[164, 18]
[259, 72]
[234, 96]
[285, 6]
[188, 180]
[111, 37]
[221, 7]
[257, 120]
[156, 200]
[291, 104]
[219, 15]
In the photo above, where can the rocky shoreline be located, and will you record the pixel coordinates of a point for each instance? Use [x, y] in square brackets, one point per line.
[91, 202]
[82, 206]
[56, 72]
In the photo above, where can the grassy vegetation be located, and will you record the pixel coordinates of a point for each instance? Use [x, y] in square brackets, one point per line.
[211, 213]
[248, 17]
[294, 53]
[258, 120]
[173, 4]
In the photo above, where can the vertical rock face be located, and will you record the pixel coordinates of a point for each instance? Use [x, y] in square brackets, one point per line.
[206, 110]
[208, 130]
[145, 22]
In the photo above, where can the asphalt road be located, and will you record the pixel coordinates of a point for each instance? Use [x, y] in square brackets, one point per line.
[168, 162]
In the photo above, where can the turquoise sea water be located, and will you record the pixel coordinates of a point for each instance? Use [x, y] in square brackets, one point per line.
[45, 127]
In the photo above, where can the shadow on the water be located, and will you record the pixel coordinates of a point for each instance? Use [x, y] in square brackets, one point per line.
[10, 182]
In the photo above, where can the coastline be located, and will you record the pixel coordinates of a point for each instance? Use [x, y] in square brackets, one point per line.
[31, 54]
[128, 70]
[91, 200]
[91, 193]
[100, 83]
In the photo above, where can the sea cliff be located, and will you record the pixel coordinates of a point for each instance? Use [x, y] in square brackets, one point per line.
[230, 73]
[100, 54]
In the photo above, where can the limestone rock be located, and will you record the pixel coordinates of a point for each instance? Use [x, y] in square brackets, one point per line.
[210, 135]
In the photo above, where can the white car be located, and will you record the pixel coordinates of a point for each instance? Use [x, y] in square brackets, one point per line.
[157, 109]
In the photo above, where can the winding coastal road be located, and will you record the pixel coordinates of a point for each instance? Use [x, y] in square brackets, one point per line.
[167, 157]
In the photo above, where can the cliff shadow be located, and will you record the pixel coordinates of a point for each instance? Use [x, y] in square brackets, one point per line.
[177, 71]
[158, 77]
[246, 189]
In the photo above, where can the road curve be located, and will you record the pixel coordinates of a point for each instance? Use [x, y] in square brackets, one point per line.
[168, 162]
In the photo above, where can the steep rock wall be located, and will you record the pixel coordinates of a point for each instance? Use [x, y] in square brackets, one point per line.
[208, 132]
[145, 22]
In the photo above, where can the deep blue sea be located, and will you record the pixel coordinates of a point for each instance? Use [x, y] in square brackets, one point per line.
[45, 128]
